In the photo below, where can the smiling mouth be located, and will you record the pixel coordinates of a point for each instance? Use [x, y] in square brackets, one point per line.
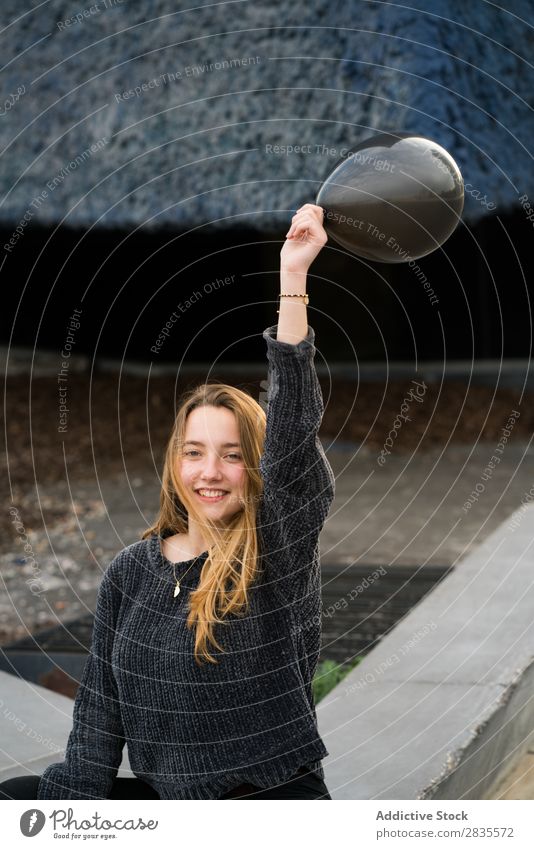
[211, 495]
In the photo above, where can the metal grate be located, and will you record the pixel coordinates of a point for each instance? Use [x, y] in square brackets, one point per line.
[360, 605]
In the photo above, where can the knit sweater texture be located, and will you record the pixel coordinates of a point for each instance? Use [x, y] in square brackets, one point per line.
[195, 732]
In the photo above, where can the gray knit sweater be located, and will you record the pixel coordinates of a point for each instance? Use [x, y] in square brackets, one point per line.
[194, 732]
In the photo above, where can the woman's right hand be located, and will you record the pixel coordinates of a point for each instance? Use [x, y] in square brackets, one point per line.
[304, 239]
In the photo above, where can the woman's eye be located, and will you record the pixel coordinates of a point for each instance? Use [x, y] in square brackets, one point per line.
[189, 453]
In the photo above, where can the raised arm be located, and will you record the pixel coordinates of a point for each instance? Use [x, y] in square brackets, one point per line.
[298, 481]
[304, 239]
[293, 458]
[94, 749]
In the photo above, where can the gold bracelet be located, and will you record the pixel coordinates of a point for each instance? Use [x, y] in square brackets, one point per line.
[294, 295]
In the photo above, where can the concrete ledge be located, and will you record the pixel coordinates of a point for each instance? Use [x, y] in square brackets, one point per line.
[17, 360]
[501, 743]
[35, 724]
[444, 704]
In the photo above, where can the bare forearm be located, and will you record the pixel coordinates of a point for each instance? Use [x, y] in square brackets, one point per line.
[293, 315]
[304, 239]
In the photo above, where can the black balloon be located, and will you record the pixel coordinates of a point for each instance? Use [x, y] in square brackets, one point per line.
[395, 197]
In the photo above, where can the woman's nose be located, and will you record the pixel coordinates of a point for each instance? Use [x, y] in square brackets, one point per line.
[211, 468]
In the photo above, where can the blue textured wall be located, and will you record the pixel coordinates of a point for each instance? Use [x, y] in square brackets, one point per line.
[191, 148]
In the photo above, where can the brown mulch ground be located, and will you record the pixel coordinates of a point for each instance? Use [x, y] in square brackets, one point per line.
[123, 422]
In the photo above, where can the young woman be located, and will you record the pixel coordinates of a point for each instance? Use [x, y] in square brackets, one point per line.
[207, 631]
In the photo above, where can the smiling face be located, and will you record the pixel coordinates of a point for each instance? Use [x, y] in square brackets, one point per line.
[211, 464]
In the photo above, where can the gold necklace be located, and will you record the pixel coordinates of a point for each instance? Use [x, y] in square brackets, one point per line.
[177, 587]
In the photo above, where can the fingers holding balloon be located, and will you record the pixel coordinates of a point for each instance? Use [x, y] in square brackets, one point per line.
[300, 225]
[313, 208]
[305, 237]
[307, 224]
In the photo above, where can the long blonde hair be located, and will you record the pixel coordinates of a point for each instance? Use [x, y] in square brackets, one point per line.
[232, 562]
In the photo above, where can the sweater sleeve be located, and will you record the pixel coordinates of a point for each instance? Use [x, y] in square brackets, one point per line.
[94, 748]
[298, 481]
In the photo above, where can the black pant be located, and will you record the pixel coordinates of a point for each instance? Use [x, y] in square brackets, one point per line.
[25, 787]
[305, 784]
[301, 786]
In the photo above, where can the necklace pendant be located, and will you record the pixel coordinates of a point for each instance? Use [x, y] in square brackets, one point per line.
[177, 589]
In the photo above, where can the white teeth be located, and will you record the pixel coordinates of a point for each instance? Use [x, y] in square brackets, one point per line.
[211, 493]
